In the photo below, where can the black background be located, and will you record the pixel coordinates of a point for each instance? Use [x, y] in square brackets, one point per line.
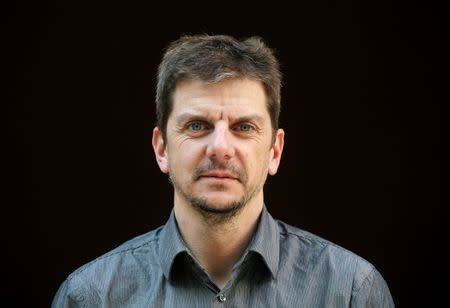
[364, 107]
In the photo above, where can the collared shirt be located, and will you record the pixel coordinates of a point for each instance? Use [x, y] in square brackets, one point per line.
[282, 267]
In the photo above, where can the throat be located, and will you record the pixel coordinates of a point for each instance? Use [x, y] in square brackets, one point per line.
[220, 279]
[217, 249]
[218, 263]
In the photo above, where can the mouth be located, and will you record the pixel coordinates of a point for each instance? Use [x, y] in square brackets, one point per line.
[219, 175]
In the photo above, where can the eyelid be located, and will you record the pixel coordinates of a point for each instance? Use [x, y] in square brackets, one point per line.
[250, 125]
[205, 124]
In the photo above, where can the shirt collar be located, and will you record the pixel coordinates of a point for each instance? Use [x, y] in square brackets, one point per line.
[265, 242]
[170, 245]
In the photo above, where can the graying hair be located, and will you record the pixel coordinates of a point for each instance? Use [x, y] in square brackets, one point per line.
[213, 59]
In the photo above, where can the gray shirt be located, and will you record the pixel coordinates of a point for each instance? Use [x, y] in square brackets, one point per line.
[282, 267]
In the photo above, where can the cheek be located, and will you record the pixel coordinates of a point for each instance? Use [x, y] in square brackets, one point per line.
[248, 160]
[257, 160]
[187, 155]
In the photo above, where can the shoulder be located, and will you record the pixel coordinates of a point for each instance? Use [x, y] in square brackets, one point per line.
[136, 256]
[324, 257]
[328, 271]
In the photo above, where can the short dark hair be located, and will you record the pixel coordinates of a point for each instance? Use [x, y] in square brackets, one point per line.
[213, 58]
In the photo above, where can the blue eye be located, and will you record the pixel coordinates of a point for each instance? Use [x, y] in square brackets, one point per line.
[196, 126]
[245, 128]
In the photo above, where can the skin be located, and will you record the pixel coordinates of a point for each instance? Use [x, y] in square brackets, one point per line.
[219, 149]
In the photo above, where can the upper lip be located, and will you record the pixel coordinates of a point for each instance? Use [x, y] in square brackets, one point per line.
[219, 174]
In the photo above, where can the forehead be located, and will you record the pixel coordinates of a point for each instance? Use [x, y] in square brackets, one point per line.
[231, 96]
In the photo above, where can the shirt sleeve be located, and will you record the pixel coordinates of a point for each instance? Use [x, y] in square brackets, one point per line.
[373, 293]
[63, 299]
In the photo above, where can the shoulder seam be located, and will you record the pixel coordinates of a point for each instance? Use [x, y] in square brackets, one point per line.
[370, 274]
[305, 236]
[319, 240]
[107, 255]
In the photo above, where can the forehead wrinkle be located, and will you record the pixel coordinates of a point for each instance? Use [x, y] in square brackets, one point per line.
[232, 117]
[216, 102]
[196, 113]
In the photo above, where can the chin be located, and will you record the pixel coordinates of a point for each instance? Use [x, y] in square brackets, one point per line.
[220, 204]
[220, 201]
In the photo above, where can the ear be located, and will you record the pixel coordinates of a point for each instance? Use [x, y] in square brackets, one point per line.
[277, 150]
[159, 148]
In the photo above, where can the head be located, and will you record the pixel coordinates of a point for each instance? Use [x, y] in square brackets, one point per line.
[218, 102]
[213, 59]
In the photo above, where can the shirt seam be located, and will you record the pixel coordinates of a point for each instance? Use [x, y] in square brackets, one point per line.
[107, 255]
[328, 243]
[364, 281]
[323, 242]
[318, 240]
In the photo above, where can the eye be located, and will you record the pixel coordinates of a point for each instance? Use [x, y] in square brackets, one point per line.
[245, 128]
[196, 126]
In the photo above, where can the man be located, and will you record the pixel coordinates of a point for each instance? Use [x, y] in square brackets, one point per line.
[217, 137]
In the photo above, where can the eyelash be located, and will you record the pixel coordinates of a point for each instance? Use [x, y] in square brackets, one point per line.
[190, 125]
[205, 126]
[250, 127]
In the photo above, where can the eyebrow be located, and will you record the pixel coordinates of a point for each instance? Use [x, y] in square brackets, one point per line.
[247, 118]
[250, 118]
[189, 116]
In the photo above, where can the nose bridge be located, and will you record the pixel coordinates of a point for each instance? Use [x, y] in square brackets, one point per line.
[220, 145]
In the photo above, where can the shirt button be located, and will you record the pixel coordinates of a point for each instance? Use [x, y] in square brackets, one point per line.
[222, 298]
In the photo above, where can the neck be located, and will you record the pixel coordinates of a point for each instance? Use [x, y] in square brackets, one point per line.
[218, 248]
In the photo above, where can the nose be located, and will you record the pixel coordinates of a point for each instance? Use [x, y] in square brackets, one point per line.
[220, 144]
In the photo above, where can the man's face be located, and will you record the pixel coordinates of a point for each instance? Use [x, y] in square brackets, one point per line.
[219, 148]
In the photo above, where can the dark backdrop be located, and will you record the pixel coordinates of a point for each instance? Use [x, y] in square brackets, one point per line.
[364, 107]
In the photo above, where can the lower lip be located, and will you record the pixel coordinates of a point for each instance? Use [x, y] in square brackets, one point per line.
[215, 178]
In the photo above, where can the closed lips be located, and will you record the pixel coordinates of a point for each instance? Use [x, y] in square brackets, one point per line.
[215, 174]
